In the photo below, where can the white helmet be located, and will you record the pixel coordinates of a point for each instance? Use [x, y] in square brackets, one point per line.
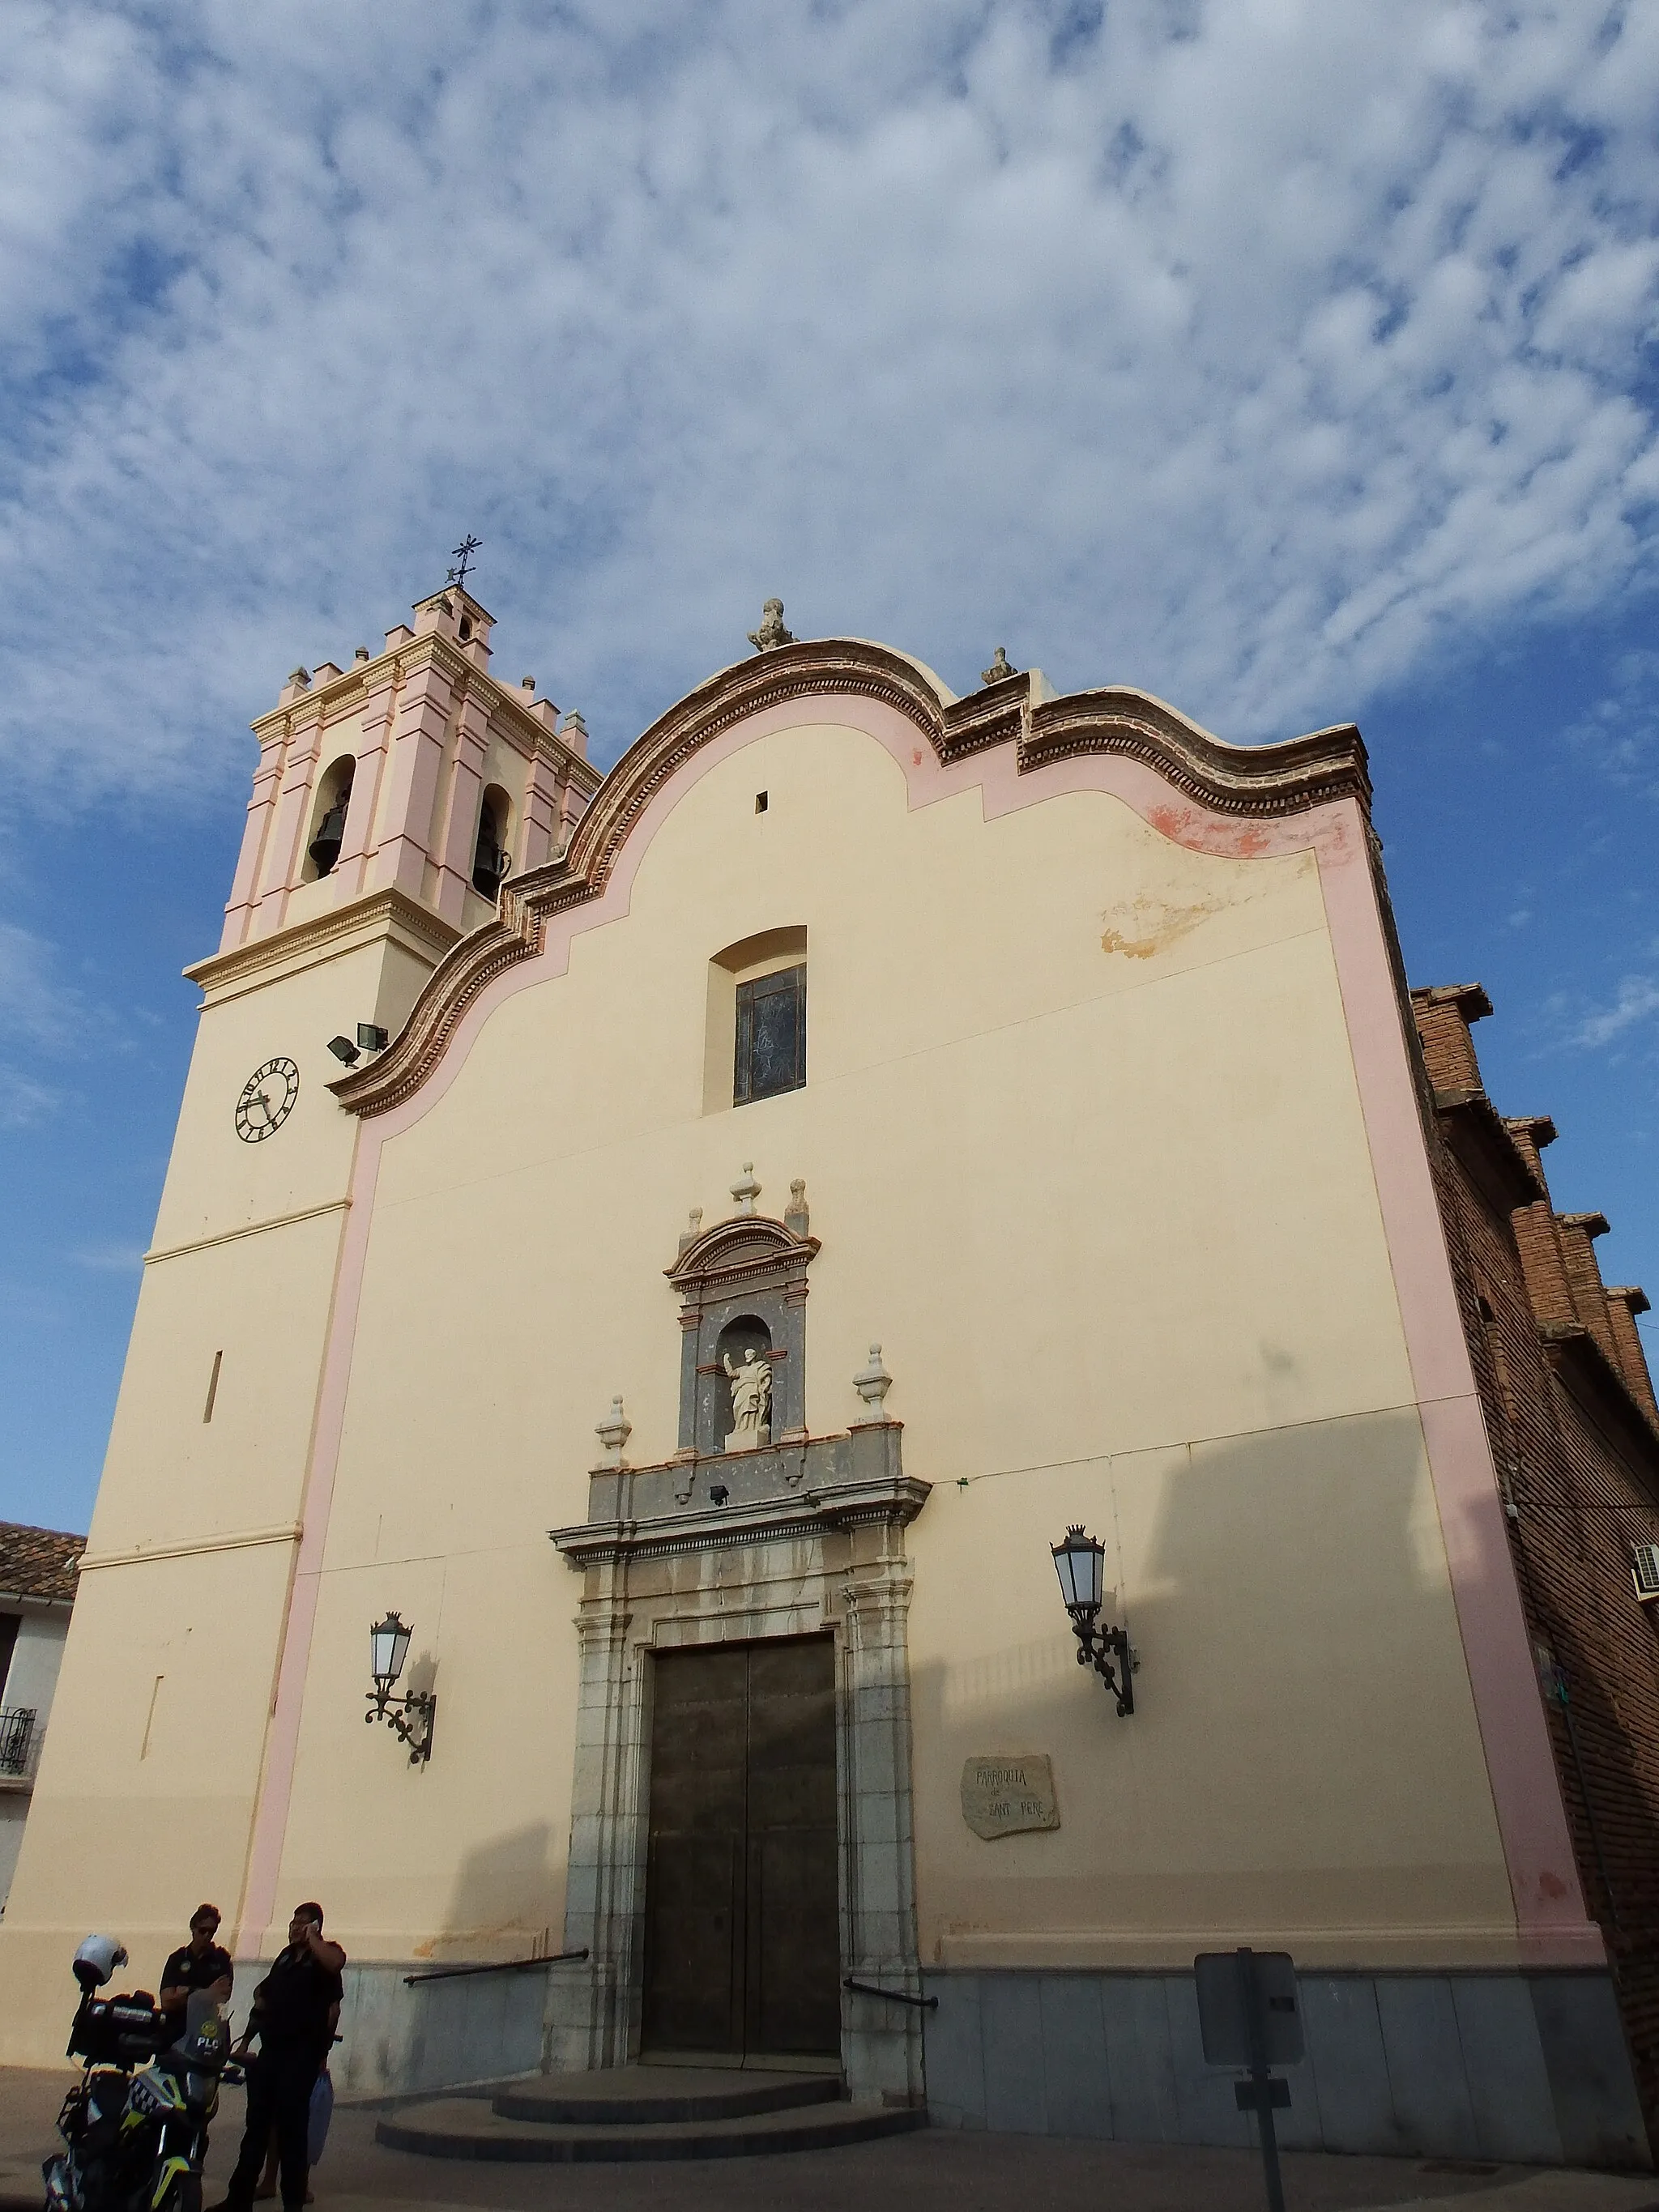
[97, 1959]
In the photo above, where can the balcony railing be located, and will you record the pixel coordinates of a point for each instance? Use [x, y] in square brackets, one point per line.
[16, 1738]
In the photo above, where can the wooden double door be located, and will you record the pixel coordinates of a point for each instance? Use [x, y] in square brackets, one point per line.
[742, 1934]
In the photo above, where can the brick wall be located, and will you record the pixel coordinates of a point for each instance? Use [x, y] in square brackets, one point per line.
[1570, 1407]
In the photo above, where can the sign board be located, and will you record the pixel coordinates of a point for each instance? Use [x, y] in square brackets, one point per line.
[1009, 1797]
[1230, 1983]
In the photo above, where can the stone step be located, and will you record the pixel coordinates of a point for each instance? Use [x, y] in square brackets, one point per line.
[622, 2096]
[460, 2127]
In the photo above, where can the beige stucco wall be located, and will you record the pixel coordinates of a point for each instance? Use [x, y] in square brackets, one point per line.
[1110, 1212]
[148, 1782]
[1082, 1141]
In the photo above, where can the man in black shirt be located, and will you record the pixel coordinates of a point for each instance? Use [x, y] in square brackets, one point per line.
[292, 2016]
[198, 1965]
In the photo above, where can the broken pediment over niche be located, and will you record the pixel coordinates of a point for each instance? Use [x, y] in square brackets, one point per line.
[743, 1288]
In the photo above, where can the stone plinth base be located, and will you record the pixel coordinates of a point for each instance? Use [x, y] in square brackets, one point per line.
[1524, 2066]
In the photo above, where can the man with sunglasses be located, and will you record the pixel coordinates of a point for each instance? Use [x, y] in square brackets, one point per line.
[198, 1965]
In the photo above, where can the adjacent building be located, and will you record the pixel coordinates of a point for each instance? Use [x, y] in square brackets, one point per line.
[37, 1590]
[686, 1247]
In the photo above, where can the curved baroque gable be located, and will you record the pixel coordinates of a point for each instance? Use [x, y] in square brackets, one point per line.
[1238, 780]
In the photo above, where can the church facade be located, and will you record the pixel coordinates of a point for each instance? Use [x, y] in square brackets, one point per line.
[778, 1190]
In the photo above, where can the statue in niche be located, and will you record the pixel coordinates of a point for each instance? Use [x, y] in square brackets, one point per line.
[752, 1400]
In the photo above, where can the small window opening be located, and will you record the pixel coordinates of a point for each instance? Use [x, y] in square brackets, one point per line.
[490, 859]
[466, 630]
[760, 802]
[213, 1387]
[771, 1036]
[149, 1717]
[324, 849]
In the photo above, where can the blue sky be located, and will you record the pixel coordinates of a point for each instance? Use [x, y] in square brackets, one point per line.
[1295, 362]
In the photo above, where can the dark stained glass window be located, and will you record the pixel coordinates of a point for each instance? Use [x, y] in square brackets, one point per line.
[771, 1036]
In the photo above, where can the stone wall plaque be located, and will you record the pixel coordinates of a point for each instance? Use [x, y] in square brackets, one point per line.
[1008, 1797]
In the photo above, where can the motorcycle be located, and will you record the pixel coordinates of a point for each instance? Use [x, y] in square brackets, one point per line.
[135, 2126]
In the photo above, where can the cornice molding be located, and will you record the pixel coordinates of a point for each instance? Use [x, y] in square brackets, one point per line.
[1264, 780]
[383, 909]
[743, 1244]
[246, 1229]
[1485, 1145]
[1287, 777]
[1582, 1368]
[190, 1547]
[788, 1492]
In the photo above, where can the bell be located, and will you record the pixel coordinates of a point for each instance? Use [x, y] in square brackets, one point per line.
[489, 862]
[325, 847]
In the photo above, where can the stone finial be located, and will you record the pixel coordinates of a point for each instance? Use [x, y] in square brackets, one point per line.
[873, 1382]
[574, 730]
[771, 633]
[299, 678]
[360, 652]
[613, 1432]
[692, 1229]
[527, 684]
[796, 1218]
[746, 1190]
[999, 669]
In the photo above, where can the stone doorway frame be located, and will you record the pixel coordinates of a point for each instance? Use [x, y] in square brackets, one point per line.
[809, 1540]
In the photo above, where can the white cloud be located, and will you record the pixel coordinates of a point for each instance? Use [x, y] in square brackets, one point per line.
[1249, 351]
[44, 1020]
[1622, 728]
[1637, 998]
[24, 1102]
[34, 1009]
[110, 1258]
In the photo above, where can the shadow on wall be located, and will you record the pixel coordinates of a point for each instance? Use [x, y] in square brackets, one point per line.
[1304, 1756]
[508, 1904]
[1302, 1749]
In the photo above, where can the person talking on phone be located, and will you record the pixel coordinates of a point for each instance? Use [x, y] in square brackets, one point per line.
[293, 2017]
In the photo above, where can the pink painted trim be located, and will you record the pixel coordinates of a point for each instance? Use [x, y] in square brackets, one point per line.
[1551, 1923]
[283, 1742]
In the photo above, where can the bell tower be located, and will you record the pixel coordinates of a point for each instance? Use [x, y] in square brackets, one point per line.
[390, 801]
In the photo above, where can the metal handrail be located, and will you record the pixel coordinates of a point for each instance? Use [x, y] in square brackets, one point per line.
[16, 1733]
[893, 1996]
[493, 1966]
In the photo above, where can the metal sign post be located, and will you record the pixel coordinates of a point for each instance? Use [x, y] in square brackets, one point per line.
[1248, 2015]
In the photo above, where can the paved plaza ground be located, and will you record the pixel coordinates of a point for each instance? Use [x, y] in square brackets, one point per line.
[933, 2170]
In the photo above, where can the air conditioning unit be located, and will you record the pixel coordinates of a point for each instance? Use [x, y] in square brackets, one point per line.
[1644, 1570]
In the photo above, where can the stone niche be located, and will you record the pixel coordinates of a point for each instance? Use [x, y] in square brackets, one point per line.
[743, 1289]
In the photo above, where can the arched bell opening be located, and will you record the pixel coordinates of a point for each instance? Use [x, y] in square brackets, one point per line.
[743, 1355]
[328, 828]
[491, 857]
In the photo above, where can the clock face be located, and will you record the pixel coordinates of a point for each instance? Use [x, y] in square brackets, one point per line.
[267, 1100]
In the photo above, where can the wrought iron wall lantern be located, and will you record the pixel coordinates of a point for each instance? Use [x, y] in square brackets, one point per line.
[408, 1718]
[1080, 1564]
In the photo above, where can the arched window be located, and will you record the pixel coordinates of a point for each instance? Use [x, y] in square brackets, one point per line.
[491, 858]
[328, 833]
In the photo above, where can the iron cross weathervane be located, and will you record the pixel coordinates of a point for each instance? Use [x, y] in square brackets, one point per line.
[463, 555]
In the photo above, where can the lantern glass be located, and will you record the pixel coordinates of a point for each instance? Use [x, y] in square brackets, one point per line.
[1080, 1564]
[388, 1643]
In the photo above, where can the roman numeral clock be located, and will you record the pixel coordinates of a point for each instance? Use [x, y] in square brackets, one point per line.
[267, 1100]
